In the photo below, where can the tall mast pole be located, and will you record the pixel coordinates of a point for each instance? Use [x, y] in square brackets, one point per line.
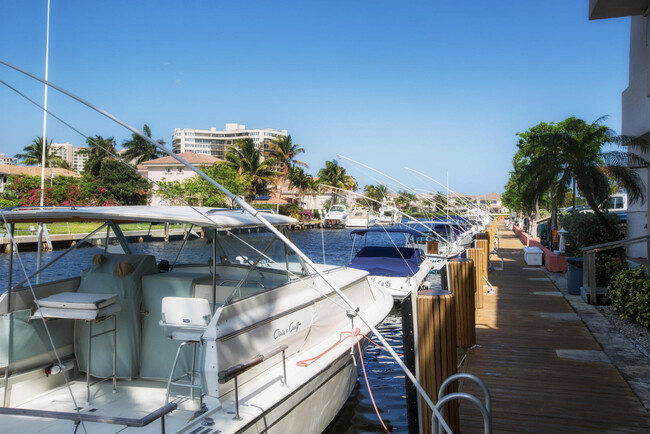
[47, 62]
[39, 248]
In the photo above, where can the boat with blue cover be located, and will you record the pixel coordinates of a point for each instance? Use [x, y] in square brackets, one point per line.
[399, 269]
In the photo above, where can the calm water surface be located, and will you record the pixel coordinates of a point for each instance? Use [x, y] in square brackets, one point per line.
[385, 377]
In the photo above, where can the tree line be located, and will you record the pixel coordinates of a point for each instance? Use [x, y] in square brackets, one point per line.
[248, 170]
[557, 162]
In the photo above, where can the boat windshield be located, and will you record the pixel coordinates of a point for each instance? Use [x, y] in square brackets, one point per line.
[338, 208]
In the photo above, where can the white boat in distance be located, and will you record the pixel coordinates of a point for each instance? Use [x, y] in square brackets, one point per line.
[388, 214]
[336, 217]
[400, 270]
[261, 363]
[360, 218]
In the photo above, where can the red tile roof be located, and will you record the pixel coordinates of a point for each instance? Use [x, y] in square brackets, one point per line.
[35, 171]
[190, 157]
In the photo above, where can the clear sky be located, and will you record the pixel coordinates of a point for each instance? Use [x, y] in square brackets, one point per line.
[438, 86]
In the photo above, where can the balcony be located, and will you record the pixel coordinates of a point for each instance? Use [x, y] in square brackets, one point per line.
[599, 9]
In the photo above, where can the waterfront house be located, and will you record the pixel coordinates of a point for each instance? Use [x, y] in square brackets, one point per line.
[7, 170]
[169, 169]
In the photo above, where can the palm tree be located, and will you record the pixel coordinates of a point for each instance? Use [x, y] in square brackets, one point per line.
[300, 180]
[100, 149]
[33, 155]
[335, 175]
[140, 150]
[283, 152]
[246, 158]
[377, 193]
[575, 151]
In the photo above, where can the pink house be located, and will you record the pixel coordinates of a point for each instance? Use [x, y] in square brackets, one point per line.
[168, 169]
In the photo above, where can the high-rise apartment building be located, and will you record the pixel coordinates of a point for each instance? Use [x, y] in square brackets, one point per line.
[72, 154]
[214, 142]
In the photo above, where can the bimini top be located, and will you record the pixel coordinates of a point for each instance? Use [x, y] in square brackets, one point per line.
[207, 217]
[363, 231]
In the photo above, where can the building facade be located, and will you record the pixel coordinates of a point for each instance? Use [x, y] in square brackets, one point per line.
[7, 161]
[635, 101]
[76, 156]
[214, 142]
[169, 169]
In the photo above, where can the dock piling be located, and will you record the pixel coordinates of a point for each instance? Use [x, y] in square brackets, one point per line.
[476, 255]
[462, 283]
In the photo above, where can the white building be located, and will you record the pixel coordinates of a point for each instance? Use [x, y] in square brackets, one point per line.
[72, 154]
[636, 99]
[214, 142]
[7, 161]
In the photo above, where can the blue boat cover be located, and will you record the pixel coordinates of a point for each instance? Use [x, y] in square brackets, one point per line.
[381, 230]
[388, 261]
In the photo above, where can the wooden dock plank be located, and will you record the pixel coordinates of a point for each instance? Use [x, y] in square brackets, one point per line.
[533, 389]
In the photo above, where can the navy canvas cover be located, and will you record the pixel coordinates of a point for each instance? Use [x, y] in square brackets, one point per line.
[388, 261]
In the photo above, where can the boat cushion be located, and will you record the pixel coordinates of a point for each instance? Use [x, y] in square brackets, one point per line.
[102, 279]
[388, 261]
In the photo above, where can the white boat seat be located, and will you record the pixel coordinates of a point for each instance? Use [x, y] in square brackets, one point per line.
[185, 318]
[77, 305]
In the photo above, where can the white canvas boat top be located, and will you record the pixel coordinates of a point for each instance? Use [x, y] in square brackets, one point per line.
[206, 217]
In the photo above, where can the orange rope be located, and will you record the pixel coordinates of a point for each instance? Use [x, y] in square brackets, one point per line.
[342, 337]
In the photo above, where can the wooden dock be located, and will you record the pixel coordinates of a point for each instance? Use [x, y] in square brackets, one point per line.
[544, 369]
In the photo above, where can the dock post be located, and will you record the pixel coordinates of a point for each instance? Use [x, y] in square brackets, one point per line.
[462, 283]
[166, 232]
[484, 244]
[480, 271]
[438, 357]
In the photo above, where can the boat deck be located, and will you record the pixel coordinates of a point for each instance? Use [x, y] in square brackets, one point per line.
[132, 399]
[544, 369]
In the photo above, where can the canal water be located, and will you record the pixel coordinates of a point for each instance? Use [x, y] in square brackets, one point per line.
[384, 375]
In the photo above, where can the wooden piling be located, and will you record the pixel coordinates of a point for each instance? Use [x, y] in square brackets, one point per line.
[479, 271]
[438, 358]
[166, 232]
[483, 244]
[462, 283]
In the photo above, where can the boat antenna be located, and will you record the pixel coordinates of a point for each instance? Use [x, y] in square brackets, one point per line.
[257, 214]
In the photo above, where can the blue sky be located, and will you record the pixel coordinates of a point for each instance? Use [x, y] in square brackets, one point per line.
[438, 86]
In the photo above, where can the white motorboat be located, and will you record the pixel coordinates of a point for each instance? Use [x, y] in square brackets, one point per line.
[261, 322]
[388, 214]
[336, 217]
[400, 270]
[360, 218]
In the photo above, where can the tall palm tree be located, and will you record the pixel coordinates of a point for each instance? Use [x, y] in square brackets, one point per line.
[247, 159]
[335, 175]
[33, 155]
[100, 149]
[139, 149]
[574, 150]
[283, 152]
[300, 180]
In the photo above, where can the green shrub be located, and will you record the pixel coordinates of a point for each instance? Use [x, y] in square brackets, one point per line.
[607, 266]
[6, 203]
[585, 229]
[629, 293]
